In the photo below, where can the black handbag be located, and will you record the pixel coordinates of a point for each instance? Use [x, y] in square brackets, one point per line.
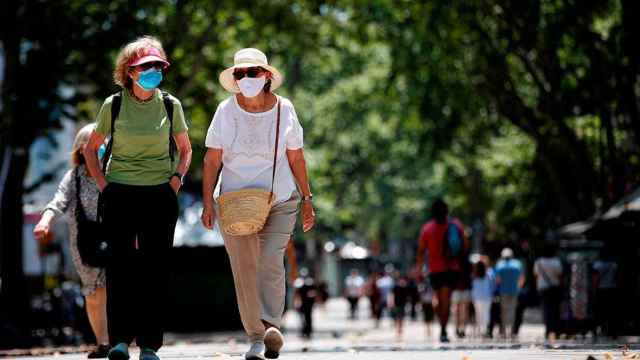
[91, 241]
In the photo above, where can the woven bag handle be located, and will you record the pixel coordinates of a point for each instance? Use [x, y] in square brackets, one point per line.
[275, 153]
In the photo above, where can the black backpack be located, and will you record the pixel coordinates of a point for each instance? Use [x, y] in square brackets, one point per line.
[115, 111]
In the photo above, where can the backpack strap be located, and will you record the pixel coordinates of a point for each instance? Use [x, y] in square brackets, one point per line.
[115, 111]
[168, 106]
[544, 274]
[116, 101]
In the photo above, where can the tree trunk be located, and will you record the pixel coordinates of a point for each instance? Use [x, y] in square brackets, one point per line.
[570, 176]
[615, 180]
[630, 78]
[14, 299]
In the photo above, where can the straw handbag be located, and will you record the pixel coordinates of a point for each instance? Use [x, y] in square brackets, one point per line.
[245, 211]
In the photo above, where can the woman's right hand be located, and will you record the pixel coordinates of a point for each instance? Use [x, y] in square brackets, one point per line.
[41, 231]
[208, 216]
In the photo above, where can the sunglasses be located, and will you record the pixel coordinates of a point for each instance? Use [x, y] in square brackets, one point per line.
[149, 65]
[251, 72]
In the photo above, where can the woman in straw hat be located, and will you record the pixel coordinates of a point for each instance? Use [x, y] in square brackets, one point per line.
[65, 201]
[139, 190]
[242, 137]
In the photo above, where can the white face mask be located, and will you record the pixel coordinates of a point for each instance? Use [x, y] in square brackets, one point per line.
[251, 87]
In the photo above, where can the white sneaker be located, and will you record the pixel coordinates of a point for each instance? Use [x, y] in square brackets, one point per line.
[273, 341]
[256, 351]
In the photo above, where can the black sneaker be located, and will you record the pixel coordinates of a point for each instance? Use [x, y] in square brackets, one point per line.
[119, 352]
[148, 354]
[444, 338]
[100, 352]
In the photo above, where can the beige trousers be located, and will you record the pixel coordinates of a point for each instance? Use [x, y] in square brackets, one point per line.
[508, 305]
[257, 263]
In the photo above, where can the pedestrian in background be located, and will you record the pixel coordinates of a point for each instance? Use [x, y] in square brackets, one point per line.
[528, 296]
[323, 295]
[443, 267]
[78, 192]
[605, 282]
[305, 299]
[375, 298]
[292, 274]
[385, 285]
[482, 295]
[255, 140]
[510, 277]
[426, 300]
[398, 300]
[495, 317]
[414, 294]
[144, 174]
[548, 272]
[354, 288]
[461, 296]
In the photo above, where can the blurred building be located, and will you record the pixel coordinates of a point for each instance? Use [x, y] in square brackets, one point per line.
[581, 244]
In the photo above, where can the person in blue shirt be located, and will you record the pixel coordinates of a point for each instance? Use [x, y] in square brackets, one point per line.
[510, 278]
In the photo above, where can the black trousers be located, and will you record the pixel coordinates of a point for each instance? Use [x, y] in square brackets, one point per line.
[551, 299]
[353, 306]
[494, 317]
[141, 222]
[307, 319]
[520, 308]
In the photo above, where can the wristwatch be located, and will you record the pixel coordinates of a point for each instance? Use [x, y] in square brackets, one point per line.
[179, 176]
[307, 197]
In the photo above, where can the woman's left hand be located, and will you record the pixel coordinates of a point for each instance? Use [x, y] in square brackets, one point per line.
[175, 184]
[308, 216]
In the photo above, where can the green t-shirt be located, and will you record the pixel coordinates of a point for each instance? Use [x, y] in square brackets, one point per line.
[140, 154]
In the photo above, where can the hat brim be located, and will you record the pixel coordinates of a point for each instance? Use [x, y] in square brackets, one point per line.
[228, 82]
[150, 58]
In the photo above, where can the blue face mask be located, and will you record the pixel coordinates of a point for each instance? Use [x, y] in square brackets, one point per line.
[101, 150]
[150, 79]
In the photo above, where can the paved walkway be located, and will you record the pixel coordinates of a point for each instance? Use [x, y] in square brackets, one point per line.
[337, 338]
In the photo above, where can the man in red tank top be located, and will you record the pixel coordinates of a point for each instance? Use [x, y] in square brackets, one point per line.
[444, 271]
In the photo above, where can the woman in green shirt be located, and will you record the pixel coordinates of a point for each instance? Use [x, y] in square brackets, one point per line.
[139, 189]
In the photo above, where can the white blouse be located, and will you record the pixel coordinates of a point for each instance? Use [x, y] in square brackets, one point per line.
[247, 141]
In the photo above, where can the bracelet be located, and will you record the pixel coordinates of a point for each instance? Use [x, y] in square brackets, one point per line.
[307, 197]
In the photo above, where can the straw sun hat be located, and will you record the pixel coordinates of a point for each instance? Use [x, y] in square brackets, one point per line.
[248, 58]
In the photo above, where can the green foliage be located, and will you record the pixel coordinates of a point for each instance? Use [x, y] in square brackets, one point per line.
[503, 108]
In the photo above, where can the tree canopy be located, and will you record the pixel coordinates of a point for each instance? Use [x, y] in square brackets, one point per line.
[523, 114]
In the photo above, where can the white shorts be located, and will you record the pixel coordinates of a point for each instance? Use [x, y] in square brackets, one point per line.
[460, 296]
